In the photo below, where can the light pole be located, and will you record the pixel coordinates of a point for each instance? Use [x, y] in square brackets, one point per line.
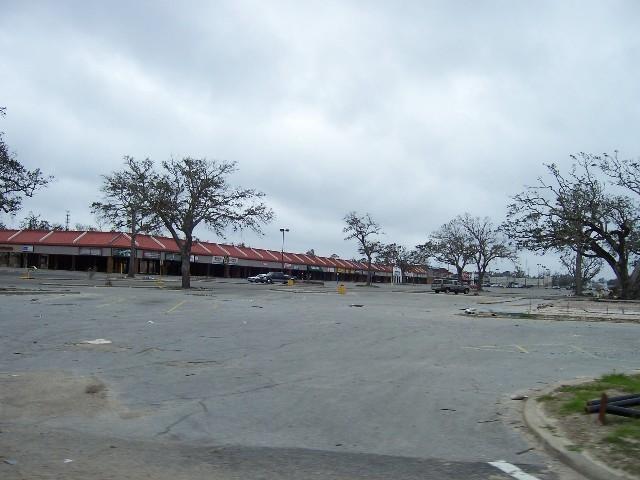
[282, 251]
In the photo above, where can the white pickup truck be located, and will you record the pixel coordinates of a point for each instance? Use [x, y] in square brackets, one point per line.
[447, 285]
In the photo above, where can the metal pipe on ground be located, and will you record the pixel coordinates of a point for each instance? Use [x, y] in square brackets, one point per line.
[620, 403]
[615, 399]
[623, 412]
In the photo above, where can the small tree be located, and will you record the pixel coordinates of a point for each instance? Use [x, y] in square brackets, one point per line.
[451, 244]
[36, 222]
[591, 266]
[487, 242]
[397, 255]
[362, 228]
[126, 202]
[16, 181]
[194, 191]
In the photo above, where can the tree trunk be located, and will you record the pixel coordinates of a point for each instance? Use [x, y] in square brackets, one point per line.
[480, 280]
[460, 272]
[185, 268]
[368, 271]
[578, 275]
[624, 282]
[132, 254]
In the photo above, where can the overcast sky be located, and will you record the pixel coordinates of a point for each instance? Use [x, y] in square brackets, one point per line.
[412, 111]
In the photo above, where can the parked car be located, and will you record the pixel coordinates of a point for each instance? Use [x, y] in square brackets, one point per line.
[277, 277]
[447, 286]
[257, 278]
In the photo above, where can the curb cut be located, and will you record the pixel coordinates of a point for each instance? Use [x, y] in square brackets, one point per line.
[543, 428]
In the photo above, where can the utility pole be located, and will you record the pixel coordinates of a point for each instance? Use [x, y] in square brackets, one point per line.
[66, 225]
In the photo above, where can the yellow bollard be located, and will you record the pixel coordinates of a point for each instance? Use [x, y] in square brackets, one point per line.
[290, 282]
[342, 289]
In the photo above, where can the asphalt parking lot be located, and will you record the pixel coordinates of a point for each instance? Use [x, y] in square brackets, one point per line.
[273, 375]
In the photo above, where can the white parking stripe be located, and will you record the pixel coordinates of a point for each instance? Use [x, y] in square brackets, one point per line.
[512, 470]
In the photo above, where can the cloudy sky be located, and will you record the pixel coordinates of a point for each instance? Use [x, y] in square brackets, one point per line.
[412, 111]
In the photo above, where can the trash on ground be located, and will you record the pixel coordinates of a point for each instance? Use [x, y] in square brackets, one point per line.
[256, 306]
[97, 341]
[356, 305]
[67, 460]
[519, 397]
[151, 322]
[10, 461]
[470, 311]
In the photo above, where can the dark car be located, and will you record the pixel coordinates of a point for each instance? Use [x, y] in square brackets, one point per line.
[276, 277]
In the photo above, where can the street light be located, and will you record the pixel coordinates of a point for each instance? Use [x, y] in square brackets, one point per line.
[282, 251]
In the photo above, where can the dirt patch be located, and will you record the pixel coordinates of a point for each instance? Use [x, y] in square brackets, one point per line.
[51, 394]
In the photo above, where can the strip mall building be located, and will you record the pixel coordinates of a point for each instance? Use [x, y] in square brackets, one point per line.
[110, 251]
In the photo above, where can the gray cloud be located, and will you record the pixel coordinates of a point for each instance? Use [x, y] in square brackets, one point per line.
[414, 112]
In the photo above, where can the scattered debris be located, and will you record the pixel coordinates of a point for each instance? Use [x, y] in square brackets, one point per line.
[10, 461]
[97, 341]
[519, 397]
[449, 409]
[256, 306]
[489, 421]
[356, 305]
[524, 451]
[151, 322]
[470, 311]
[67, 460]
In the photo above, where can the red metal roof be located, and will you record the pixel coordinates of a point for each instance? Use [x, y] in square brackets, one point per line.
[166, 244]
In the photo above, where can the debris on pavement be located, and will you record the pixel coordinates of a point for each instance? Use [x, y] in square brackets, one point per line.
[356, 305]
[10, 461]
[519, 397]
[97, 341]
[67, 460]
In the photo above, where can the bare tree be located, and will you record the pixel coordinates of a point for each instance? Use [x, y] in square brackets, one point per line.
[83, 227]
[575, 211]
[451, 244]
[362, 228]
[591, 266]
[397, 255]
[192, 191]
[16, 181]
[488, 244]
[36, 222]
[126, 202]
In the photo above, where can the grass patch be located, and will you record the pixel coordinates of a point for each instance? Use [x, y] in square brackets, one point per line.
[571, 399]
[617, 443]
[629, 433]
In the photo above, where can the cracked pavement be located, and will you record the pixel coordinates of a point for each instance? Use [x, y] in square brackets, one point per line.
[406, 376]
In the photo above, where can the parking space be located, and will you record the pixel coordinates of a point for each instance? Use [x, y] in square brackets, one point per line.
[376, 371]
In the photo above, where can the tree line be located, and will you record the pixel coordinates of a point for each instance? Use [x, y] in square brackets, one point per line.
[463, 241]
[589, 215]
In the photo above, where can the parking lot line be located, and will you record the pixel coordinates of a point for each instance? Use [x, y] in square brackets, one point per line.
[582, 350]
[491, 348]
[512, 470]
[118, 300]
[175, 306]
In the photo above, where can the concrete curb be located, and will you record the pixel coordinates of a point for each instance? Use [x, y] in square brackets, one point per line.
[550, 434]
